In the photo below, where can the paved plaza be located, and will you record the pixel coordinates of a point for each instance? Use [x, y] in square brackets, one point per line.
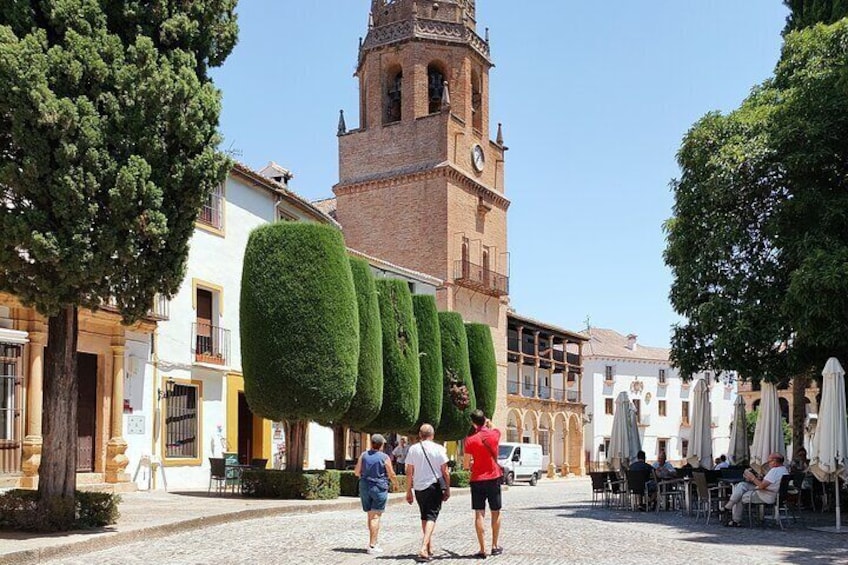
[549, 524]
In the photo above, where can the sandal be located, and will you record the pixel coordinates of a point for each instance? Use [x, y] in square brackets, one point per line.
[421, 558]
[481, 555]
[497, 550]
[733, 524]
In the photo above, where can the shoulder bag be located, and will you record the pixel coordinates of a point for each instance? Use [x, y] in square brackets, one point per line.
[443, 485]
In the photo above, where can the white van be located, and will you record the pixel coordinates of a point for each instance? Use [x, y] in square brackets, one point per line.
[520, 462]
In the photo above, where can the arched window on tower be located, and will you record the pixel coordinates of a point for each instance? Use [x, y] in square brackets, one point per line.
[435, 88]
[476, 101]
[394, 97]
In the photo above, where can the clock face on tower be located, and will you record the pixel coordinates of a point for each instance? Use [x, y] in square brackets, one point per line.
[478, 158]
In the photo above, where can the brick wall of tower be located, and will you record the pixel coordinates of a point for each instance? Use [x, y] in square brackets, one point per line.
[402, 222]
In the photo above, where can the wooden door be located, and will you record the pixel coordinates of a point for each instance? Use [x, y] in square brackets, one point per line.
[86, 411]
[204, 345]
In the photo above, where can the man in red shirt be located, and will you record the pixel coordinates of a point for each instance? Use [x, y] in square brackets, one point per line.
[481, 448]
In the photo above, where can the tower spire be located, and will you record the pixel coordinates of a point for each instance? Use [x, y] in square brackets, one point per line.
[342, 124]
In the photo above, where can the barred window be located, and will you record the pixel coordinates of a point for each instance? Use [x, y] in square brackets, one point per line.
[662, 407]
[608, 372]
[608, 406]
[662, 376]
[212, 212]
[545, 439]
[10, 357]
[181, 421]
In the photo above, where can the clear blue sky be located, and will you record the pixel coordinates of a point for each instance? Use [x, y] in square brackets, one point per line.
[594, 98]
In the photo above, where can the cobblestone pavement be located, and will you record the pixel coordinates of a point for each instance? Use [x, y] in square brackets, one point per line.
[549, 524]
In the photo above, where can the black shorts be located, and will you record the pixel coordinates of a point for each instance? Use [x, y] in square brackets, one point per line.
[482, 491]
[429, 502]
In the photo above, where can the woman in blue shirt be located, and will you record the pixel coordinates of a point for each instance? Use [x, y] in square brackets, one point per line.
[374, 469]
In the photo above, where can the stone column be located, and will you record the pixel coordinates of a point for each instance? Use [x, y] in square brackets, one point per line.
[116, 461]
[31, 456]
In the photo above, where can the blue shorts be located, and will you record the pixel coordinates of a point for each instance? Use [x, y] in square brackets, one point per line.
[373, 497]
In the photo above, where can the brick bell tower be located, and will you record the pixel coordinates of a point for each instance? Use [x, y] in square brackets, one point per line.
[420, 182]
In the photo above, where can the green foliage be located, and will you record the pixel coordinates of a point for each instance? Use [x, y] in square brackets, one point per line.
[348, 484]
[432, 372]
[299, 323]
[460, 479]
[456, 421]
[757, 246]
[19, 511]
[291, 485]
[751, 426]
[109, 146]
[807, 13]
[366, 403]
[484, 367]
[401, 372]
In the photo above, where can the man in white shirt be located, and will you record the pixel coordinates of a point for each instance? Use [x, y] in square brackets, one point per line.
[426, 464]
[721, 463]
[756, 489]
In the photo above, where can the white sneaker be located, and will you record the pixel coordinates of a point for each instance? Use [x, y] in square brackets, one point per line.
[374, 550]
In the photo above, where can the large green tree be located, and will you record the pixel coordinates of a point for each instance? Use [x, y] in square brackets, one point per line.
[401, 371]
[299, 328]
[458, 388]
[368, 399]
[430, 351]
[806, 13]
[758, 245]
[108, 148]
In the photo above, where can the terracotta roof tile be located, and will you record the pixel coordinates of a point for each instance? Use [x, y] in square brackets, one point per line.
[610, 343]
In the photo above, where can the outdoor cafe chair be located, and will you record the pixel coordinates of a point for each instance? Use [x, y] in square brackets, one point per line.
[217, 474]
[599, 486]
[637, 486]
[709, 497]
[779, 510]
[616, 484]
[669, 491]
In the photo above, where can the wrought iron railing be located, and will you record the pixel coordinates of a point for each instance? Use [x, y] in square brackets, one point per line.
[160, 310]
[528, 390]
[210, 344]
[481, 278]
[545, 392]
[211, 213]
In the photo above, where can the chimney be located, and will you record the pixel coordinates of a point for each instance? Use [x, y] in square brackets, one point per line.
[631, 342]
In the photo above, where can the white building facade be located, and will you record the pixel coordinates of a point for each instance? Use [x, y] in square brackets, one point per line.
[615, 363]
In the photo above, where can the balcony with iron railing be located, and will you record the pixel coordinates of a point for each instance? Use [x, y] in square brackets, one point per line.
[212, 211]
[160, 310]
[210, 344]
[481, 279]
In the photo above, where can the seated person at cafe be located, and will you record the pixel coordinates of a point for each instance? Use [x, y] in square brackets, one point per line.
[754, 489]
[651, 485]
[721, 463]
[664, 469]
[799, 463]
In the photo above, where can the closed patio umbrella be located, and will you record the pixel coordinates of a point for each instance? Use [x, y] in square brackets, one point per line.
[701, 444]
[739, 452]
[635, 438]
[829, 450]
[768, 435]
[622, 450]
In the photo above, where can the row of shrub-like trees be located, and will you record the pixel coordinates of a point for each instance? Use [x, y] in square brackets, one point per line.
[323, 341]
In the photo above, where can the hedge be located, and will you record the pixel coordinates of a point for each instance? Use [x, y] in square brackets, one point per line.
[368, 399]
[484, 367]
[460, 479]
[456, 421]
[430, 360]
[350, 484]
[299, 323]
[19, 511]
[302, 485]
[401, 373]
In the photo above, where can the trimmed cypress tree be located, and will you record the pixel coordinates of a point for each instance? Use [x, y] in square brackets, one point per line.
[430, 360]
[401, 373]
[299, 328]
[368, 399]
[484, 366]
[458, 389]
[807, 13]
